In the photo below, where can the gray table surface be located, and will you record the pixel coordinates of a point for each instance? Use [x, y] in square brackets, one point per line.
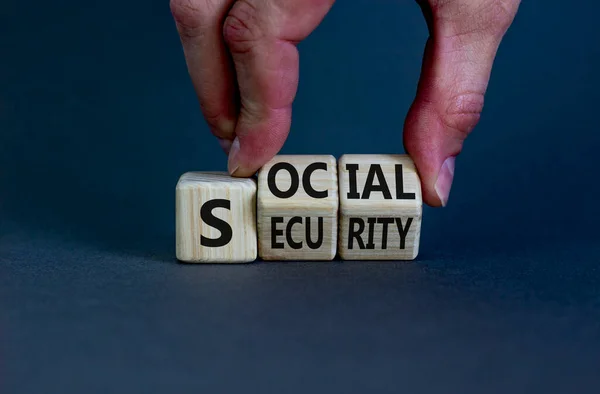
[76, 318]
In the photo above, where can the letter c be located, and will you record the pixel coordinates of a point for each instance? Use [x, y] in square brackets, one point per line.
[306, 180]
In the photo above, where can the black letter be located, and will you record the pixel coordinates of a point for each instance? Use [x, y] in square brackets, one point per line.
[403, 231]
[306, 180]
[309, 242]
[219, 224]
[288, 232]
[384, 231]
[275, 233]
[400, 195]
[356, 234]
[353, 193]
[273, 186]
[372, 221]
[381, 187]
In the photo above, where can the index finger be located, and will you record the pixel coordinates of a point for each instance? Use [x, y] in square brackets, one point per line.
[199, 23]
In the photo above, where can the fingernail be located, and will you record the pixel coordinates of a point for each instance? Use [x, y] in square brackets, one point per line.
[232, 164]
[225, 145]
[443, 184]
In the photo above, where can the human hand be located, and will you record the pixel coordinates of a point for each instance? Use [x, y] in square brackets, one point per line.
[243, 62]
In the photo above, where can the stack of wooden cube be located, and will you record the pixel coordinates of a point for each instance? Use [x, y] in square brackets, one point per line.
[302, 207]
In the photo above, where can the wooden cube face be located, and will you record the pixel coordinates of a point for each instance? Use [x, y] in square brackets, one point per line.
[381, 207]
[215, 218]
[298, 208]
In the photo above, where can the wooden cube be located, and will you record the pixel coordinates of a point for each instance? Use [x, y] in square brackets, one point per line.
[297, 208]
[381, 207]
[215, 218]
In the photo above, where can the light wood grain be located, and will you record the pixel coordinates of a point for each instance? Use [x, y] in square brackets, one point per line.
[363, 221]
[193, 191]
[290, 214]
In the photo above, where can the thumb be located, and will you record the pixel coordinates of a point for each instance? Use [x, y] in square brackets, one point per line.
[458, 59]
[261, 37]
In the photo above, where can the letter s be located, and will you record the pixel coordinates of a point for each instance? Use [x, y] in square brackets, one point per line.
[221, 225]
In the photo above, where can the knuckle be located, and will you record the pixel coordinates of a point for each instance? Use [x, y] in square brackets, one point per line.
[214, 116]
[463, 112]
[478, 17]
[218, 112]
[219, 124]
[190, 15]
[501, 14]
[495, 16]
[242, 27]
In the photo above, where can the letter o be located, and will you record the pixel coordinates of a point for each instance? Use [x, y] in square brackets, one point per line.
[273, 185]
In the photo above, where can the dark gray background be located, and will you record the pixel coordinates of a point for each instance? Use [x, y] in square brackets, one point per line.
[98, 119]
